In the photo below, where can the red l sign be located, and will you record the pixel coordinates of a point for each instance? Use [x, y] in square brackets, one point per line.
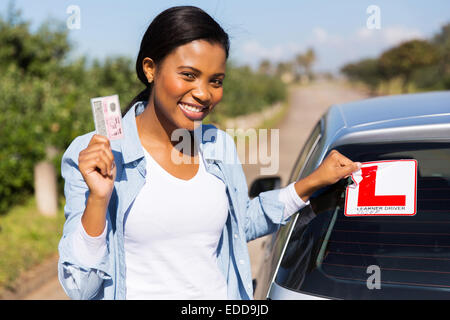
[367, 195]
[383, 188]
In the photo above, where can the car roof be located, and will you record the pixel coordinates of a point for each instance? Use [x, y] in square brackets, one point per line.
[408, 117]
[416, 107]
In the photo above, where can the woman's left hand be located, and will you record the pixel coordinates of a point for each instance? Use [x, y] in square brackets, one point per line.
[332, 169]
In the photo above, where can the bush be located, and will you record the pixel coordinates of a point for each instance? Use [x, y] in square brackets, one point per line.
[421, 65]
[246, 91]
[365, 70]
[428, 78]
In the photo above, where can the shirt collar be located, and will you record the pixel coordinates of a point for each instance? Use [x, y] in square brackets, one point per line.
[207, 137]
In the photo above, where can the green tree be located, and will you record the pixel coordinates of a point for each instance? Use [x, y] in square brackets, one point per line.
[283, 67]
[366, 71]
[246, 91]
[311, 58]
[30, 87]
[265, 67]
[406, 58]
[33, 53]
[442, 42]
[305, 62]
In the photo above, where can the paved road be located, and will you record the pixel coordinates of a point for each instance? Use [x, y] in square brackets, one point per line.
[307, 104]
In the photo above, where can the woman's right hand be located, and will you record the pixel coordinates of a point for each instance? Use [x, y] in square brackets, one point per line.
[96, 164]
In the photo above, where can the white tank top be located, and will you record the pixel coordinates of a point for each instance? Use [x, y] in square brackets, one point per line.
[171, 234]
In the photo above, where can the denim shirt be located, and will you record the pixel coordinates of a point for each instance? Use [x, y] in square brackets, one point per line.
[247, 219]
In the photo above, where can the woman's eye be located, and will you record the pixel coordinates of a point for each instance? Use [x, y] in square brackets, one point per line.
[218, 82]
[188, 75]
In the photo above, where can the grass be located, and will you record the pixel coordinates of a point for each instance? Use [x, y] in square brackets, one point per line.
[27, 238]
[271, 123]
[275, 121]
[388, 87]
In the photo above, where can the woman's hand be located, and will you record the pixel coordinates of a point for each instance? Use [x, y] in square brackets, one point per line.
[96, 164]
[332, 169]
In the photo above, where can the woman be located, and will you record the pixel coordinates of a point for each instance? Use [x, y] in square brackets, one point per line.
[141, 225]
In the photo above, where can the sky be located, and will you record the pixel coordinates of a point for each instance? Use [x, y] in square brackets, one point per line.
[263, 29]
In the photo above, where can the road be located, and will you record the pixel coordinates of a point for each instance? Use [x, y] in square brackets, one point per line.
[307, 104]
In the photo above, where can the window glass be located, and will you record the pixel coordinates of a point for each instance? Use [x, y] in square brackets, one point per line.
[331, 255]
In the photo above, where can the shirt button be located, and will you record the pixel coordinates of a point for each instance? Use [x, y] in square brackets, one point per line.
[235, 236]
[241, 261]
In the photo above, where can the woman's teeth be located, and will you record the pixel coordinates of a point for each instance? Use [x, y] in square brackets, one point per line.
[190, 108]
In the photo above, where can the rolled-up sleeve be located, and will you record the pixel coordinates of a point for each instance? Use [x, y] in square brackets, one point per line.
[292, 201]
[87, 249]
[81, 278]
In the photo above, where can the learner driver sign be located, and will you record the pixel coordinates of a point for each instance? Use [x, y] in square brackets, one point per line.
[383, 188]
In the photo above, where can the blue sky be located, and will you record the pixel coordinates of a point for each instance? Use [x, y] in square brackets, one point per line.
[276, 30]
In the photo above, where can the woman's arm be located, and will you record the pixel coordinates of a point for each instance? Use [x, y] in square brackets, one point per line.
[334, 168]
[96, 165]
[80, 277]
[265, 213]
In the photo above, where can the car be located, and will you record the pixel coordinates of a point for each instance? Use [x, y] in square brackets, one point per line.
[323, 254]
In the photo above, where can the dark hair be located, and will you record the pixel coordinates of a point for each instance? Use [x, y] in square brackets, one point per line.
[170, 29]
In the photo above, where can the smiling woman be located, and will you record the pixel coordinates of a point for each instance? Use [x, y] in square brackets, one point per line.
[141, 226]
[188, 80]
[184, 25]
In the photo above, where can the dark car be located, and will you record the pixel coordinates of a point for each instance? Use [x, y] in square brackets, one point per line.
[321, 253]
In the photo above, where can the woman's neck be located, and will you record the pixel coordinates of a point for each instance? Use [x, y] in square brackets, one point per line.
[154, 130]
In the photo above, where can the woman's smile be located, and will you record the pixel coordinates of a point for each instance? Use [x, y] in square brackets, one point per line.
[193, 111]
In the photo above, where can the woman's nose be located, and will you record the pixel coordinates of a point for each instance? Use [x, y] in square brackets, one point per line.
[202, 94]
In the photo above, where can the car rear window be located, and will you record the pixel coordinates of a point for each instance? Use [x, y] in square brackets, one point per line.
[331, 255]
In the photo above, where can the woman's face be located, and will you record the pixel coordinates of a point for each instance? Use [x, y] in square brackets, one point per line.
[188, 83]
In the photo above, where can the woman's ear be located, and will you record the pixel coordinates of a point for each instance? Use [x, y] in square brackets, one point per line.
[149, 67]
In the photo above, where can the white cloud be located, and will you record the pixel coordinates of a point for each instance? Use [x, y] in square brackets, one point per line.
[253, 50]
[332, 50]
[388, 36]
[322, 36]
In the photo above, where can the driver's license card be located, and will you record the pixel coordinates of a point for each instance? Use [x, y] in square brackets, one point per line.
[107, 116]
